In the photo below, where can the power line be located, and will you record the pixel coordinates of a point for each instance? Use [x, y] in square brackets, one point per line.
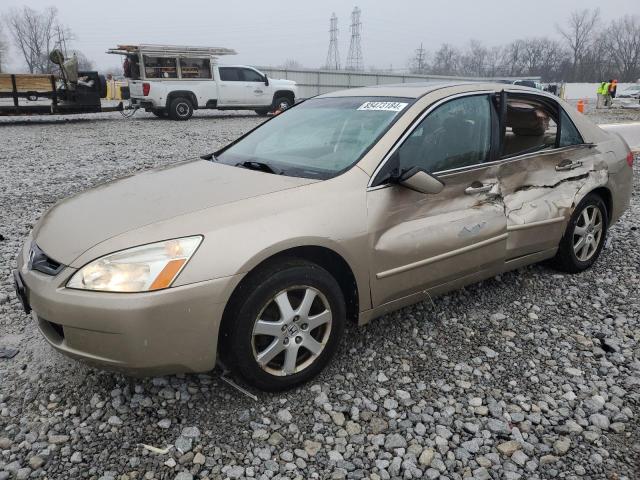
[354, 59]
[333, 57]
[420, 60]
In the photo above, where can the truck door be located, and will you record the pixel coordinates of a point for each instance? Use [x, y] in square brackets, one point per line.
[257, 92]
[232, 87]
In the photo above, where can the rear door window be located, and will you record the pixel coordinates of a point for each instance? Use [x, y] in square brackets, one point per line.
[530, 125]
[569, 134]
[230, 74]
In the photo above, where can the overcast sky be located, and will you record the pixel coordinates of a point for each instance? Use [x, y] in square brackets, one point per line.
[268, 32]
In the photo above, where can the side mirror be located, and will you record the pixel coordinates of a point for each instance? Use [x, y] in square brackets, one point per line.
[420, 181]
[266, 80]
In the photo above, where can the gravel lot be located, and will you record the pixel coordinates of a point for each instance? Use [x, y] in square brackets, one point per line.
[532, 374]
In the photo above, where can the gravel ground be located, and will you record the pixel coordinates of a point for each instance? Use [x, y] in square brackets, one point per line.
[532, 374]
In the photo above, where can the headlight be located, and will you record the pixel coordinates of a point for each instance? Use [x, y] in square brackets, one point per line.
[140, 269]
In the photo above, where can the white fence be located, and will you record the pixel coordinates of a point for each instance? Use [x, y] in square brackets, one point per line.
[316, 82]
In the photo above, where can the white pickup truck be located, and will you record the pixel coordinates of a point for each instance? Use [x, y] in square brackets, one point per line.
[174, 81]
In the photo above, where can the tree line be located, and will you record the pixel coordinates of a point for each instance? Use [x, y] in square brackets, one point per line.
[586, 50]
[33, 35]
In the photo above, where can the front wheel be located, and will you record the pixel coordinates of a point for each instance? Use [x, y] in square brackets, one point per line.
[282, 103]
[584, 238]
[180, 109]
[285, 326]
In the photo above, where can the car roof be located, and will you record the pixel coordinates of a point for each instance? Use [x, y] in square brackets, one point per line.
[419, 89]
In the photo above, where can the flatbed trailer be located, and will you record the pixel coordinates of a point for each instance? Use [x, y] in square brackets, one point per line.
[19, 91]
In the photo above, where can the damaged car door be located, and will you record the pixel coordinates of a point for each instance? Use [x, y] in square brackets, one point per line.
[433, 242]
[544, 164]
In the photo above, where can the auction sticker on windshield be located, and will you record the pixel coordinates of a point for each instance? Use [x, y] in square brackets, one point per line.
[383, 106]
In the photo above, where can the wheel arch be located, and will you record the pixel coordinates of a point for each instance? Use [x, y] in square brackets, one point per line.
[322, 256]
[284, 93]
[182, 93]
[607, 198]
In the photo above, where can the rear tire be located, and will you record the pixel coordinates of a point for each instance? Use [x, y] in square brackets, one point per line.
[180, 109]
[274, 350]
[585, 236]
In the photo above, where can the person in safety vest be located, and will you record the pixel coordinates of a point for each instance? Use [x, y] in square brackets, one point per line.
[607, 94]
[613, 87]
[602, 89]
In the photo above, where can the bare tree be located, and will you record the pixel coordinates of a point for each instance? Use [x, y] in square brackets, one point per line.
[622, 42]
[291, 64]
[4, 46]
[473, 61]
[84, 63]
[446, 60]
[580, 34]
[34, 34]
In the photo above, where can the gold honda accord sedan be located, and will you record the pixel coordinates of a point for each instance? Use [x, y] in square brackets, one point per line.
[345, 207]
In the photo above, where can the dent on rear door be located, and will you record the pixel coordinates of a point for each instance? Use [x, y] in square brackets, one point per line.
[540, 191]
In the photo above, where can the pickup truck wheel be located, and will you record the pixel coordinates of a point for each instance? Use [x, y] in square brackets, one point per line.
[282, 103]
[180, 109]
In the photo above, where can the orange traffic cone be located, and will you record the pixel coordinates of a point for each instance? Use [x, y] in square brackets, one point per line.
[580, 106]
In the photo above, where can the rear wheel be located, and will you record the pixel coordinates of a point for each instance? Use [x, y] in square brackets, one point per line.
[181, 109]
[584, 238]
[285, 327]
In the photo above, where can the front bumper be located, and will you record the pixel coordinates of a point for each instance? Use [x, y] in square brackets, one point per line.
[154, 333]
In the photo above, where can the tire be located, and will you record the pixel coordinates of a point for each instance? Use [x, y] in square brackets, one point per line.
[159, 112]
[263, 111]
[571, 257]
[282, 348]
[282, 103]
[180, 109]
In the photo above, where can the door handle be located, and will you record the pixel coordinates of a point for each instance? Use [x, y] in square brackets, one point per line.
[567, 165]
[477, 187]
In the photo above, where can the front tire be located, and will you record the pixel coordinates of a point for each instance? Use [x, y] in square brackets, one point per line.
[180, 109]
[585, 236]
[282, 104]
[284, 326]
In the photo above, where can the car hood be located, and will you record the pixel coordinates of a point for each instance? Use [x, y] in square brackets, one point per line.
[80, 222]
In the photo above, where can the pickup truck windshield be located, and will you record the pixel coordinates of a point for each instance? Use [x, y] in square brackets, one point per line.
[319, 138]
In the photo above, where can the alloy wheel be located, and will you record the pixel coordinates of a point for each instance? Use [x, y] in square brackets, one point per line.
[291, 330]
[587, 233]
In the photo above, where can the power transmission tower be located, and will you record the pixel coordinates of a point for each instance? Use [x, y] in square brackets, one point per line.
[420, 60]
[333, 57]
[354, 60]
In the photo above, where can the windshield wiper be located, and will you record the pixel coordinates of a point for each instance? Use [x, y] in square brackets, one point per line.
[209, 156]
[260, 167]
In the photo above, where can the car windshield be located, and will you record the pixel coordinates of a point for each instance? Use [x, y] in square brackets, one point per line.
[319, 138]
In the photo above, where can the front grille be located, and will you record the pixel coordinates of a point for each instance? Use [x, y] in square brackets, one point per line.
[41, 262]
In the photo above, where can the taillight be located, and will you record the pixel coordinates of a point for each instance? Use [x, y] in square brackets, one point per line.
[146, 88]
[630, 159]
